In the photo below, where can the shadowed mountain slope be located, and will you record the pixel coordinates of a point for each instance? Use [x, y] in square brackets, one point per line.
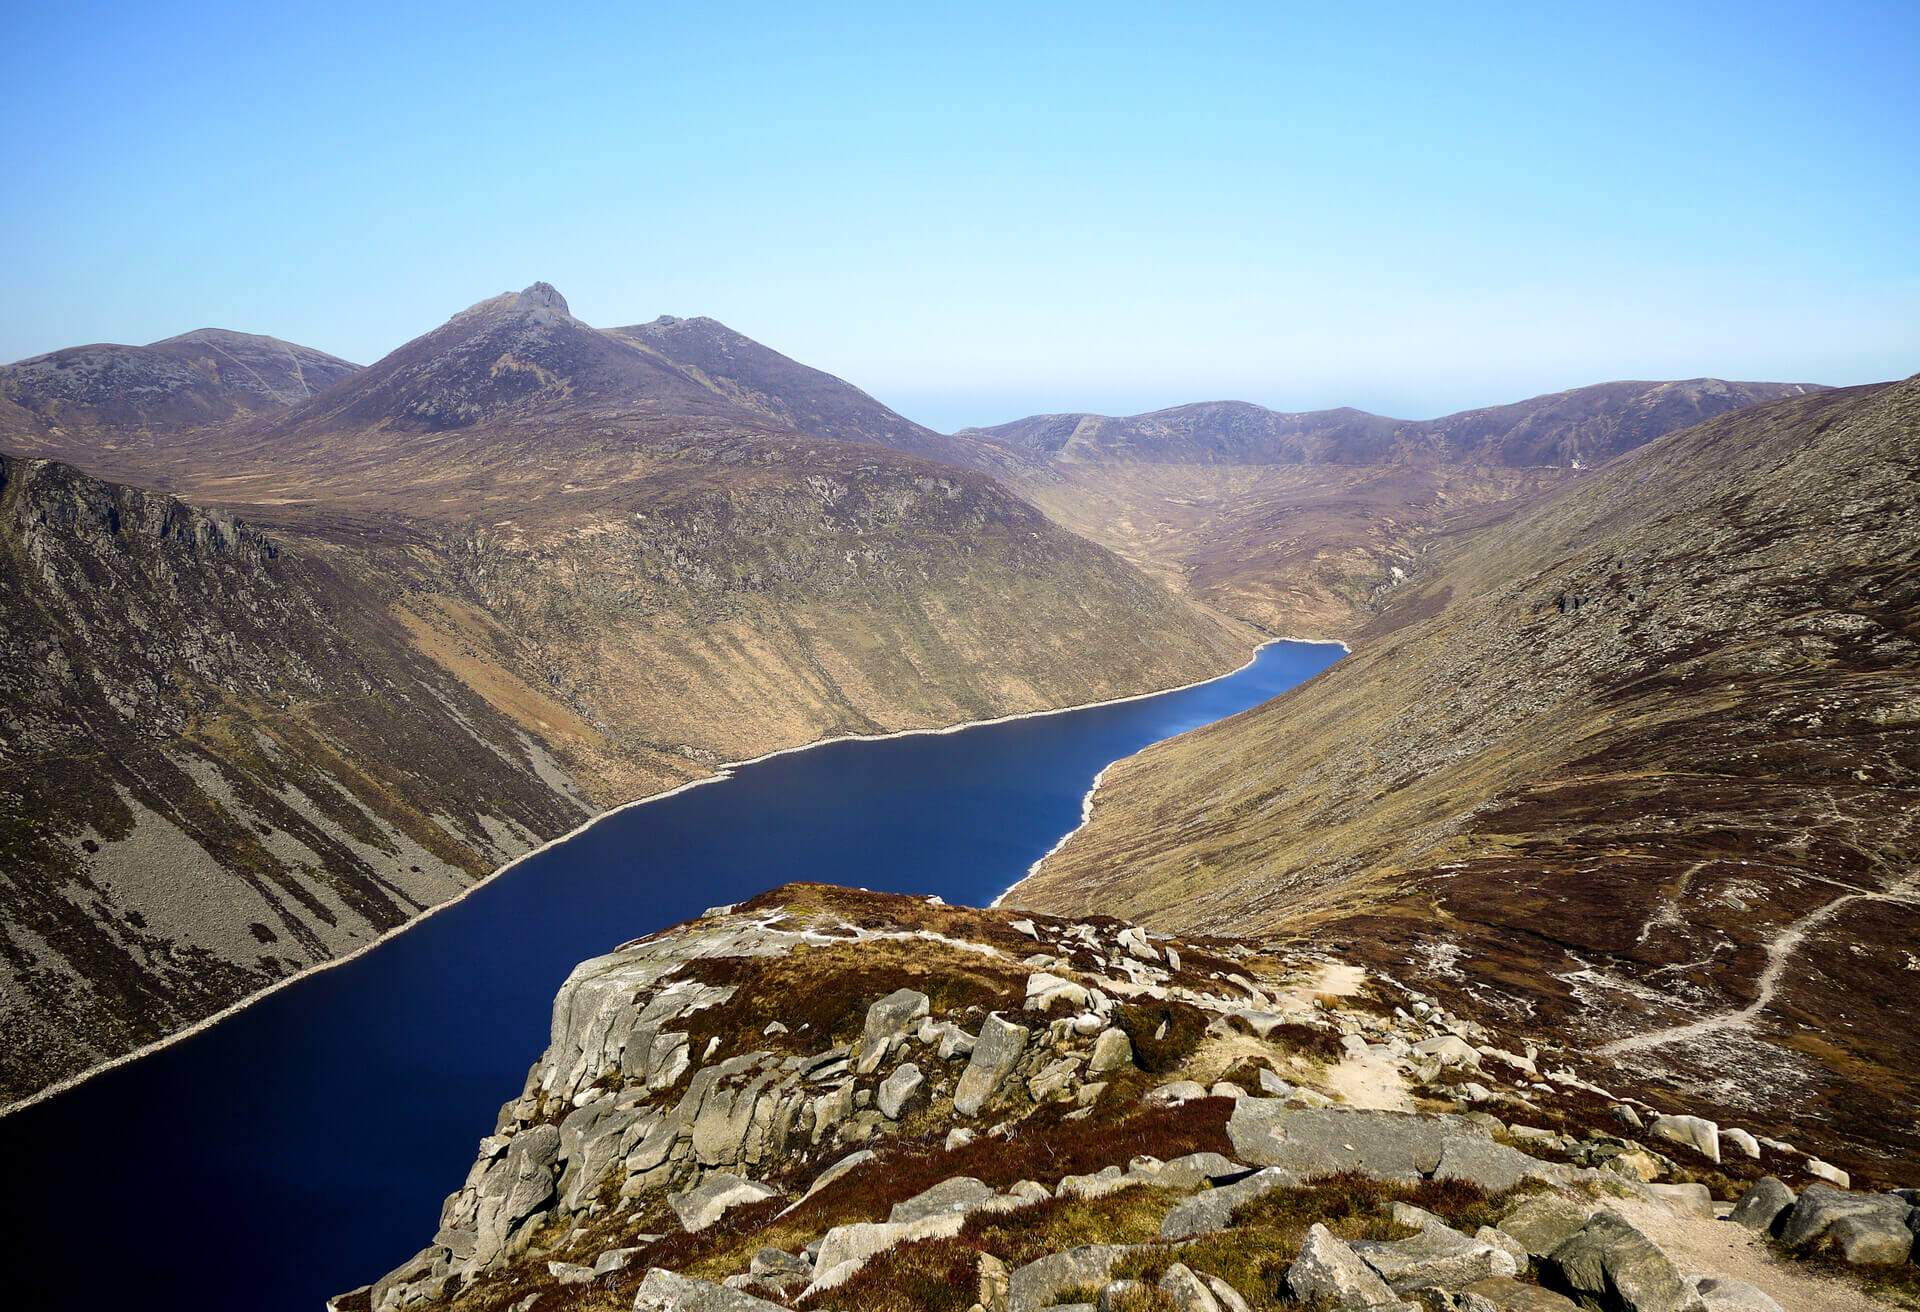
[222, 761]
[1642, 762]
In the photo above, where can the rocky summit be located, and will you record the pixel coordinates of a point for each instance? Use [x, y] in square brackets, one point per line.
[825, 1098]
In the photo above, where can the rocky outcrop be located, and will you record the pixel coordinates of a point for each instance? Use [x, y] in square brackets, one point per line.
[718, 1118]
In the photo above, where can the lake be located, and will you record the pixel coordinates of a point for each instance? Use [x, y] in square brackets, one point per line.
[303, 1146]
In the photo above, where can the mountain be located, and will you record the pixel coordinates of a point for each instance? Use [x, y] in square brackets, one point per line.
[519, 560]
[223, 760]
[1641, 763]
[517, 355]
[784, 391]
[1585, 426]
[200, 378]
[1301, 523]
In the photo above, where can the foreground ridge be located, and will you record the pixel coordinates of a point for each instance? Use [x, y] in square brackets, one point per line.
[832, 1098]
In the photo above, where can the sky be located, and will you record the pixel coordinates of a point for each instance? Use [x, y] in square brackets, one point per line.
[982, 211]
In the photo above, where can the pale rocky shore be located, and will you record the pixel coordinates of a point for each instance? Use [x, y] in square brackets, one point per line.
[834, 1099]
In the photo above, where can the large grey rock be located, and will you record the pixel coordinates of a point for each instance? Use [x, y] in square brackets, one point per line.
[715, 1196]
[1439, 1257]
[852, 1161]
[1613, 1264]
[1213, 1209]
[1762, 1205]
[846, 1248]
[1866, 1229]
[1733, 1296]
[959, 1195]
[1037, 1284]
[1543, 1222]
[1195, 1169]
[1331, 1273]
[1187, 1291]
[1505, 1294]
[897, 1089]
[1112, 1050]
[668, 1291]
[1694, 1198]
[1743, 1142]
[1225, 1294]
[1695, 1132]
[1321, 1141]
[995, 1051]
[1448, 1050]
[1492, 1166]
[1046, 991]
[887, 1020]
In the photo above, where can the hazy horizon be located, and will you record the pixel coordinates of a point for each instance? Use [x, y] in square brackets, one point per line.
[976, 215]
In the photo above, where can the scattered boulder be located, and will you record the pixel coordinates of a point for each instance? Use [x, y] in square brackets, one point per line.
[1450, 1050]
[1695, 1132]
[1187, 1291]
[1743, 1142]
[1762, 1205]
[715, 1196]
[1829, 1172]
[995, 1051]
[897, 1089]
[1037, 1284]
[1175, 1092]
[1322, 1141]
[1543, 1222]
[1439, 1257]
[1492, 1166]
[666, 1291]
[888, 1020]
[846, 1248]
[1213, 1209]
[1046, 991]
[1865, 1229]
[1328, 1271]
[959, 1195]
[1611, 1263]
[1112, 1050]
[1505, 1294]
[1694, 1198]
[1733, 1296]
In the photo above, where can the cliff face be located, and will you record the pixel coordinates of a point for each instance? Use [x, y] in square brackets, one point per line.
[1641, 763]
[221, 761]
[831, 1098]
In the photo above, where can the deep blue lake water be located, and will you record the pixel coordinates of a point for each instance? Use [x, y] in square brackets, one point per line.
[303, 1146]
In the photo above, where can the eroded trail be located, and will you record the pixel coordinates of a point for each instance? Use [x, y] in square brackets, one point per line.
[1779, 952]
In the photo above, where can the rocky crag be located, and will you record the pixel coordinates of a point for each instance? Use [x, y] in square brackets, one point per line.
[831, 1099]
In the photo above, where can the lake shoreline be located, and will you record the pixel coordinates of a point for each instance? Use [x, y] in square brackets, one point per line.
[1086, 802]
[721, 773]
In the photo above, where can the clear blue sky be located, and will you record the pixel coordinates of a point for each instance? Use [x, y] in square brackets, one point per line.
[976, 212]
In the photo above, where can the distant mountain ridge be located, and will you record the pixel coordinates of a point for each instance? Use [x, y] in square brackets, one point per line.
[207, 376]
[1582, 427]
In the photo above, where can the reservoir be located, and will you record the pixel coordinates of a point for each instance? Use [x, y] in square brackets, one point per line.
[303, 1146]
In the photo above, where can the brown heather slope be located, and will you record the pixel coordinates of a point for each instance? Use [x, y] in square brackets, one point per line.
[1301, 522]
[518, 560]
[1641, 763]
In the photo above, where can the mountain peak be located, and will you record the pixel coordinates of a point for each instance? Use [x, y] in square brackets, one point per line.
[544, 296]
